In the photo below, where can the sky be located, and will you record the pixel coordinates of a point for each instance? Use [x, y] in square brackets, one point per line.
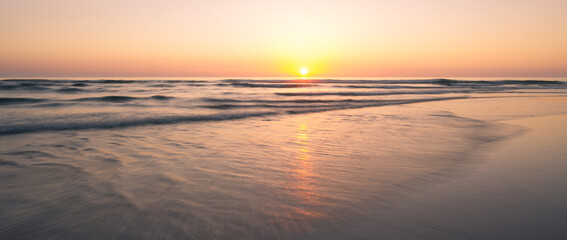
[263, 38]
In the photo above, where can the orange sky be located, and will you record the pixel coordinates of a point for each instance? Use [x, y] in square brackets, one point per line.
[261, 38]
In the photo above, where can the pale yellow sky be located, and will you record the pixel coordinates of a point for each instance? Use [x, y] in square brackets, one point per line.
[255, 38]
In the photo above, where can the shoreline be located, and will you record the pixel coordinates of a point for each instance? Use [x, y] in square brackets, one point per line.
[516, 193]
[496, 196]
[415, 171]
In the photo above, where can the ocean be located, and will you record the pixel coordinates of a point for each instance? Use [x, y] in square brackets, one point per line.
[239, 158]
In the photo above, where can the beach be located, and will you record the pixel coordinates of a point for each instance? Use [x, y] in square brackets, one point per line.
[513, 191]
[283, 120]
[282, 159]
[516, 194]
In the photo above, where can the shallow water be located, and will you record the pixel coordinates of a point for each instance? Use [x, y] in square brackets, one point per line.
[231, 159]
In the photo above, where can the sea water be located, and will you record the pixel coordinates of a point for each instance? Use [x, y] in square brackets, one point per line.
[233, 158]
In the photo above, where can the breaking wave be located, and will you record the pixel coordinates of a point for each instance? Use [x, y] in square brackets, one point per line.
[31, 105]
[72, 123]
[119, 99]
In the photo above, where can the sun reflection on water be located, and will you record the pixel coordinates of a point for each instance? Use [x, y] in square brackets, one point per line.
[303, 174]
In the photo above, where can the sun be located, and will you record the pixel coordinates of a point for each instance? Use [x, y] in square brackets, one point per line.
[303, 71]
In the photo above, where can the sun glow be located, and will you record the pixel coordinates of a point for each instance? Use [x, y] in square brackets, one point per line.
[371, 38]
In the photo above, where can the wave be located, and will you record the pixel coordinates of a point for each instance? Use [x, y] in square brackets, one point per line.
[53, 105]
[234, 106]
[386, 86]
[330, 80]
[70, 90]
[107, 81]
[105, 123]
[310, 104]
[50, 103]
[69, 84]
[450, 82]
[161, 97]
[30, 80]
[186, 81]
[119, 99]
[195, 85]
[8, 101]
[9, 163]
[161, 86]
[438, 81]
[107, 99]
[379, 93]
[24, 86]
[267, 85]
[224, 100]
[120, 123]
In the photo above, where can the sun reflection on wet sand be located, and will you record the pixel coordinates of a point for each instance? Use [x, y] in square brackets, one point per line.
[303, 175]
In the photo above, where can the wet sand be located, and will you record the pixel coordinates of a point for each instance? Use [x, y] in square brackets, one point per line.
[511, 188]
[517, 192]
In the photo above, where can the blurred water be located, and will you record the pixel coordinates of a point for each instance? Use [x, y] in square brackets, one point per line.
[230, 159]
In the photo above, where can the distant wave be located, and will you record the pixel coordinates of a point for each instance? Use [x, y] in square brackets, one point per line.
[161, 97]
[144, 102]
[234, 106]
[31, 80]
[450, 82]
[41, 80]
[268, 85]
[70, 90]
[115, 99]
[438, 81]
[185, 81]
[302, 101]
[8, 101]
[41, 84]
[375, 93]
[120, 98]
[107, 99]
[107, 81]
[311, 105]
[23, 86]
[161, 85]
[386, 86]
